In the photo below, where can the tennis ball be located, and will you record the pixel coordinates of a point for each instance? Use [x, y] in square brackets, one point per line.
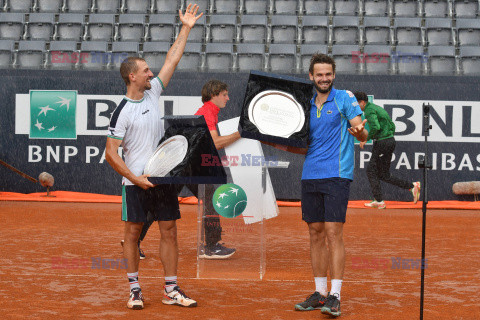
[229, 200]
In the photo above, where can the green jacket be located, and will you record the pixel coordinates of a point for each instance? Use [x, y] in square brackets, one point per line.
[381, 126]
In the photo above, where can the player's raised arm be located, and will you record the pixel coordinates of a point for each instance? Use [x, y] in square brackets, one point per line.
[176, 51]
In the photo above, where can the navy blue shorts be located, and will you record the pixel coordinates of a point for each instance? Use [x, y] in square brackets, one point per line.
[325, 200]
[161, 201]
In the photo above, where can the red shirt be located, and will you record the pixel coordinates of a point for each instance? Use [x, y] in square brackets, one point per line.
[210, 112]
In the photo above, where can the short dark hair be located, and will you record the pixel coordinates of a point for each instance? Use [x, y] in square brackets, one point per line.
[212, 88]
[128, 66]
[321, 58]
[361, 96]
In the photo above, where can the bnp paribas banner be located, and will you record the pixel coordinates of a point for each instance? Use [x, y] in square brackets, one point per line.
[65, 133]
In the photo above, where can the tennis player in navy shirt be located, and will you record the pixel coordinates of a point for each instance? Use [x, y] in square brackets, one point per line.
[335, 119]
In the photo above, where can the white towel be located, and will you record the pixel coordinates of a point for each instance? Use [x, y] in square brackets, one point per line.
[250, 177]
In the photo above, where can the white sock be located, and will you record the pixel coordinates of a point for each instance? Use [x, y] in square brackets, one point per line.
[336, 287]
[133, 280]
[321, 285]
[170, 283]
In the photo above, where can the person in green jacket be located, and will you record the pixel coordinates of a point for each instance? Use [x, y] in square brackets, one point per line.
[382, 130]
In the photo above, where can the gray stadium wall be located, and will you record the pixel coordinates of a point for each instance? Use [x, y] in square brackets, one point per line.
[455, 138]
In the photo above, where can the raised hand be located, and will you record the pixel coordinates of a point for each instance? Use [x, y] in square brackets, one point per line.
[190, 17]
[357, 131]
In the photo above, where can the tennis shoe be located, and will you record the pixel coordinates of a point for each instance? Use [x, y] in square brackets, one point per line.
[136, 299]
[217, 251]
[178, 297]
[332, 306]
[376, 204]
[416, 191]
[314, 301]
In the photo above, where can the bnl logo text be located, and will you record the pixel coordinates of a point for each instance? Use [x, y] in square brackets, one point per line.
[88, 57]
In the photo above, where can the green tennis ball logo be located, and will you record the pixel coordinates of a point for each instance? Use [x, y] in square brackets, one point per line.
[229, 200]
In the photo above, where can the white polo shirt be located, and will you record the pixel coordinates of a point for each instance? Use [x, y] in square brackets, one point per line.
[139, 125]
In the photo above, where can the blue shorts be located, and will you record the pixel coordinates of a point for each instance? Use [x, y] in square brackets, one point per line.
[325, 200]
[160, 201]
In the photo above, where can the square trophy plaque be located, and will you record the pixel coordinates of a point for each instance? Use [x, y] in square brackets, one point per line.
[276, 109]
[178, 157]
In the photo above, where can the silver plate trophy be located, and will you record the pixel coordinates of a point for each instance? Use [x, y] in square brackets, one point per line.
[276, 113]
[167, 156]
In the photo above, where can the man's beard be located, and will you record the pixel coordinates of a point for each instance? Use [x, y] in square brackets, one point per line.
[322, 90]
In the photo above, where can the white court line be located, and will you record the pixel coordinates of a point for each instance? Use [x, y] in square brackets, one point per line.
[218, 279]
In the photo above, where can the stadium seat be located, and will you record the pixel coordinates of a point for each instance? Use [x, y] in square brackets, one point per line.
[376, 8]
[40, 26]
[6, 49]
[192, 57]
[250, 56]
[438, 31]
[11, 25]
[155, 53]
[255, 6]
[283, 29]
[100, 27]
[203, 5]
[442, 60]
[466, 8]
[83, 6]
[98, 55]
[122, 50]
[470, 60]
[225, 6]
[315, 29]
[345, 7]
[437, 8]
[136, 6]
[69, 26]
[377, 30]
[408, 31]
[197, 34]
[253, 28]
[161, 28]
[377, 59]
[406, 8]
[107, 6]
[282, 58]
[167, 6]
[409, 60]
[345, 30]
[30, 54]
[49, 6]
[306, 52]
[222, 28]
[63, 55]
[131, 27]
[23, 6]
[285, 6]
[219, 57]
[343, 59]
[315, 7]
[468, 31]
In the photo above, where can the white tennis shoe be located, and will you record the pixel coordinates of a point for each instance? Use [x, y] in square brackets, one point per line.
[376, 204]
[416, 191]
[178, 297]
[136, 299]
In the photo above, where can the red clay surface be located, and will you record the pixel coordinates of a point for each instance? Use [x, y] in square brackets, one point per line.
[38, 237]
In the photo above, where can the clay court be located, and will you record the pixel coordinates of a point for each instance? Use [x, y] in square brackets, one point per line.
[47, 251]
